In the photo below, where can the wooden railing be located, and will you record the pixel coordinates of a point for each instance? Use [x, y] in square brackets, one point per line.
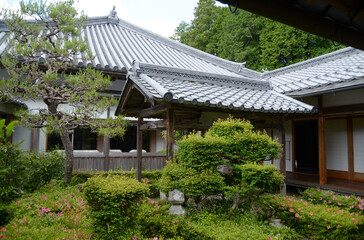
[94, 160]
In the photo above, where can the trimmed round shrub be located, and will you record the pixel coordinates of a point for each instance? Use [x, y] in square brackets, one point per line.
[230, 141]
[192, 183]
[114, 202]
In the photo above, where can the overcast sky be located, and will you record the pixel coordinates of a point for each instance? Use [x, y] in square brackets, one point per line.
[159, 16]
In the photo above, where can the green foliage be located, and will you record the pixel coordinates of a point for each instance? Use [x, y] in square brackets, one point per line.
[228, 141]
[155, 221]
[194, 184]
[114, 202]
[12, 165]
[265, 178]
[56, 33]
[238, 226]
[42, 168]
[54, 212]
[230, 127]
[329, 198]
[246, 37]
[21, 171]
[317, 221]
[149, 177]
[199, 152]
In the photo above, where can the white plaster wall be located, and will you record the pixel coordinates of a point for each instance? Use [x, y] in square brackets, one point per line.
[20, 134]
[160, 140]
[358, 137]
[336, 145]
[343, 98]
[277, 135]
[288, 132]
[42, 140]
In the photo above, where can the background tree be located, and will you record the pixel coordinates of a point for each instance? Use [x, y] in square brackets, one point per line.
[246, 37]
[41, 64]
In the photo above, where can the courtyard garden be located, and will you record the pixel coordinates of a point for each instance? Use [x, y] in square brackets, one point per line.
[228, 194]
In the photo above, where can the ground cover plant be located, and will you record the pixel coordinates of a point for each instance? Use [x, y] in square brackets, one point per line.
[317, 221]
[53, 212]
[330, 198]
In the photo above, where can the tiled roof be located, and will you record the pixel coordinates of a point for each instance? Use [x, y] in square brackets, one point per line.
[117, 43]
[338, 70]
[212, 90]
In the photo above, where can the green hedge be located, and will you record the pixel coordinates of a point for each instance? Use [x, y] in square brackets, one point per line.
[264, 178]
[192, 183]
[114, 204]
[149, 177]
[230, 141]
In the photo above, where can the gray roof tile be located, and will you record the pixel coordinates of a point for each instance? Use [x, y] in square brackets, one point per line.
[195, 90]
[116, 43]
[318, 74]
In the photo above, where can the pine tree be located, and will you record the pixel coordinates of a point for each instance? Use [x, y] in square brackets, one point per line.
[41, 64]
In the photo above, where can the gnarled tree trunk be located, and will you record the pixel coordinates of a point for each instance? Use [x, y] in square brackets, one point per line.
[68, 148]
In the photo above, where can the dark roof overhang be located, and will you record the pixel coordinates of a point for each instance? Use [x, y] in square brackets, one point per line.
[339, 20]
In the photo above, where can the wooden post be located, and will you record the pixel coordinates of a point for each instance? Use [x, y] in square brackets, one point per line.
[282, 164]
[170, 134]
[293, 146]
[106, 153]
[107, 147]
[349, 123]
[139, 149]
[322, 151]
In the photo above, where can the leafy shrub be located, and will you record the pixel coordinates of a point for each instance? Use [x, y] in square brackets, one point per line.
[330, 198]
[42, 168]
[53, 212]
[264, 178]
[318, 221]
[230, 127]
[21, 171]
[230, 141]
[192, 183]
[239, 226]
[149, 177]
[12, 166]
[114, 204]
[255, 180]
[155, 221]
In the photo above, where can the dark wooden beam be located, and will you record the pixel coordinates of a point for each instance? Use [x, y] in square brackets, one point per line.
[139, 149]
[322, 151]
[131, 110]
[282, 164]
[293, 146]
[154, 125]
[345, 109]
[349, 124]
[153, 110]
[125, 96]
[170, 134]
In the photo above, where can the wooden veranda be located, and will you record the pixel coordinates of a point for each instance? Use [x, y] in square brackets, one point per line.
[338, 185]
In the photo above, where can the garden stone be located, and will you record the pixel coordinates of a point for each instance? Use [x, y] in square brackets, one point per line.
[177, 210]
[276, 222]
[176, 198]
[224, 169]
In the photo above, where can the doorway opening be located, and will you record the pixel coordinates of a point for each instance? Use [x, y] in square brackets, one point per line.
[306, 147]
